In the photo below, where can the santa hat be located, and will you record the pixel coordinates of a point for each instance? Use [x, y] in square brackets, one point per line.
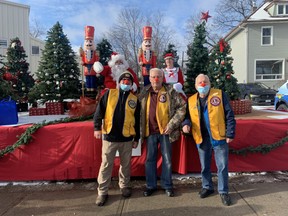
[116, 57]
[126, 74]
[169, 55]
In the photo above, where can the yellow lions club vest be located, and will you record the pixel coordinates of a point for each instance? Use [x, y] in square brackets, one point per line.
[162, 111]
[216, 116]
[129, 120]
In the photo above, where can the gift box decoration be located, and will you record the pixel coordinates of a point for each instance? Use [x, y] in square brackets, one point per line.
[37, 111]
[241, 107]
[54, 108]
[8, 112]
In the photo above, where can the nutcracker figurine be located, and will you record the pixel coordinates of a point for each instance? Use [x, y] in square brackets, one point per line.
[88, 57]
[146, 56]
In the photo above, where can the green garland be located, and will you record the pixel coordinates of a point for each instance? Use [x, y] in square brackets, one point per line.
[26, 137]
[264, 148]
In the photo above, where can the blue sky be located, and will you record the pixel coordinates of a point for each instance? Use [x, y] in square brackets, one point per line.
[102, 14]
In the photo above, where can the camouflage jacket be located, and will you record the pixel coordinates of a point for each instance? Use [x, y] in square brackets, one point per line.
[177, 110]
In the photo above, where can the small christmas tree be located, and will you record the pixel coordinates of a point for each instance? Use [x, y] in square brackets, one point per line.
[105, 50]
[6, 89]
[221, 70]
[197, 57]
[171, 49]
[58, 72]
[16, 71]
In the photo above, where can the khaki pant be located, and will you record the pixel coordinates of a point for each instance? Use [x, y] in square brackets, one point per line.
[108, 154]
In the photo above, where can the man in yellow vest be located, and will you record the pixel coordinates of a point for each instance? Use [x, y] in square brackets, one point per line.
[120, 111]
[212, 122]
[162, 112]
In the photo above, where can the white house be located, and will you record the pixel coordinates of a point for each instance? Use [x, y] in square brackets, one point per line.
[14, 22]
[260, 45]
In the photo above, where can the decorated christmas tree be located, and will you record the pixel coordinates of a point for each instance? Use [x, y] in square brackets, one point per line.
[221, 70]
[105, 50]
[171, 49]
[58, 72]
[197, 53]
[6, 89]
[15, 71]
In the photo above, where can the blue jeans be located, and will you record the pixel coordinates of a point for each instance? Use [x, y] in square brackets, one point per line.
[151, 161]
[221, 159]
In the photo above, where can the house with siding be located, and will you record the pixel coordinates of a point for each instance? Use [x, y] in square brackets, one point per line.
[14, 22]
[260, 45]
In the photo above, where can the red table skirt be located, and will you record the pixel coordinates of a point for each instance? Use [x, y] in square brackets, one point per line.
[69, 151]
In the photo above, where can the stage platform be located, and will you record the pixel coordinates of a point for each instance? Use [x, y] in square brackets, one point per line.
[69, 151]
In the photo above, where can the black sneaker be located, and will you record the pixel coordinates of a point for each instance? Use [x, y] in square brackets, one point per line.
[101, 200]
[169, 192]
[226, 199]
[126, 192]
[205, 192]
[149, 192]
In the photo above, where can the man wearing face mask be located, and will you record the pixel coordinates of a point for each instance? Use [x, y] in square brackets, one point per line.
[212, 123]
[120, 111]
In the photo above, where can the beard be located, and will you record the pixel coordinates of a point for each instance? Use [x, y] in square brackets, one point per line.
[117, 70]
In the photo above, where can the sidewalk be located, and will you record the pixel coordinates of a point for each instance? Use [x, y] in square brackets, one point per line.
[74, 198]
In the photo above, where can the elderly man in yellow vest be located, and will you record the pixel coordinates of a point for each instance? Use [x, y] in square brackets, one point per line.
[162, 112]
[212, 121]
[120, 111]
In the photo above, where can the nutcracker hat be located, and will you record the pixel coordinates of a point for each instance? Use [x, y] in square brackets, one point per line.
[127, 75]
[168, 56]
[147, 32]
[89, 32]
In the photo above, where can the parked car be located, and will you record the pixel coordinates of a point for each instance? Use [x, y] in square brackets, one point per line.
[258, 93]
[281, 98]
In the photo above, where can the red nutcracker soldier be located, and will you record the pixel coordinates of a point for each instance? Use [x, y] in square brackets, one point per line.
[88, 57]
[146, 56]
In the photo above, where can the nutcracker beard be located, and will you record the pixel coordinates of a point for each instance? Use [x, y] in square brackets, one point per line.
[117, 70]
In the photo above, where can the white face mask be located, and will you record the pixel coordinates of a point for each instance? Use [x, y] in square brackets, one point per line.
[203, 90]
[125, 87]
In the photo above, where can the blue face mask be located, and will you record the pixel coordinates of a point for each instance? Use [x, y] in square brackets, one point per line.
[125, 87]
[203, 90]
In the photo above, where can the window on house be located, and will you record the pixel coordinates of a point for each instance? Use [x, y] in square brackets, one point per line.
[269, 69]
[35, 50]
[267, 35]
[282, 9]
[3, 43]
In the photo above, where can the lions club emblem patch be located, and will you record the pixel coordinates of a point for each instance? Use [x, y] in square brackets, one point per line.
[215, 101]
[162, 98]
[132, 104]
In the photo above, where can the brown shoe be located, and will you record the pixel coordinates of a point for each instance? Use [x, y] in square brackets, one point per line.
[101, 199]
[126, 192]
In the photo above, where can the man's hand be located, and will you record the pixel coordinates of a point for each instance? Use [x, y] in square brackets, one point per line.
[134, 144]
[228, 140]
[98, 134]
[186, 129]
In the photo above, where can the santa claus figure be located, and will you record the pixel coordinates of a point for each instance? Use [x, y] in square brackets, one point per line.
[173, 75]
[111, 72]
[88, 57]
[146, 56]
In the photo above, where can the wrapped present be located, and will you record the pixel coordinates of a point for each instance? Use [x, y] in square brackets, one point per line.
[37, 111]
[54, 108]
[241, 107]
[8, 112]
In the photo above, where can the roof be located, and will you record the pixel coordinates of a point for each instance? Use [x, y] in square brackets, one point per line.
[261, 14]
